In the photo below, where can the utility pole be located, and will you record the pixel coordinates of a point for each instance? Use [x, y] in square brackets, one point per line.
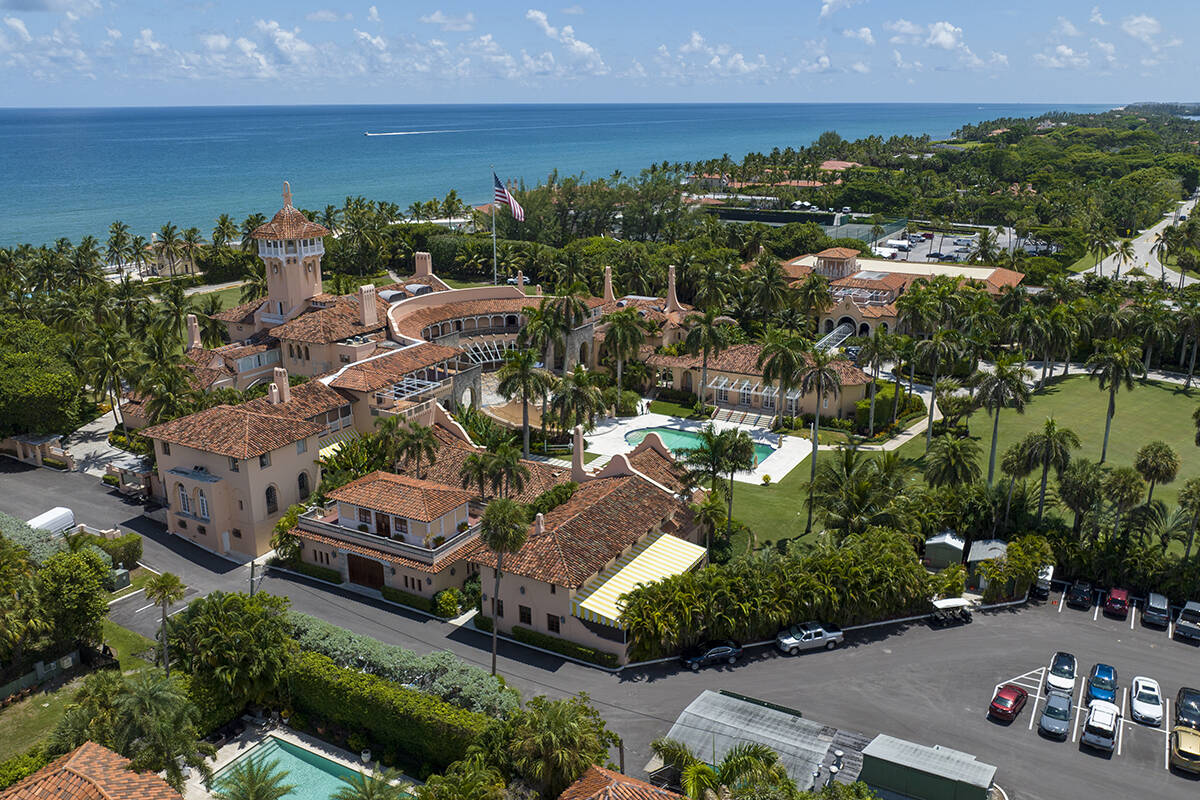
[252, 578]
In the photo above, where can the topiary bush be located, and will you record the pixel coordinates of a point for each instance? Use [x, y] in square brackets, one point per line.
[406, 599]
[566, 648]
[446, 603]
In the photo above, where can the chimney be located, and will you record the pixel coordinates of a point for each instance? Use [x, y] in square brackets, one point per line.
[672, 300]
[193, 332]
[422, 265]
[368, 313]
[281, 384]
[273, 394]
[577, 473]
[609, 297]
[539, 524]
[521, 281]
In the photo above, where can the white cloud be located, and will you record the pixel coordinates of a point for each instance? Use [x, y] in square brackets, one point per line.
[74, 7]
[145, 43]
[830, 7]
[904, 31]
[287, 43]
[1144, 28]
[901, 64]
[376, 42]
[942, 35]
[373, 14]
[577, 10]
[448, 23]
[1067, 28]
[18, 25]
[582, 54]
[997, 59]
[1097, 18]
[945, 35]
[112, 33]
[860, 68]
[325, 15]
[863, 33]
[1062, 57]
[1108, 50]
[216, 41]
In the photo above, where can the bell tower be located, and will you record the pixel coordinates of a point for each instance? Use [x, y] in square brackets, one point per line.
[290, 246]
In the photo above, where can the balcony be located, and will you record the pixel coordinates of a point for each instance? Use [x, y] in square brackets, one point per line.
[324, 521]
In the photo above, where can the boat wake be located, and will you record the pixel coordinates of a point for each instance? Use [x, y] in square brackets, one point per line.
[413, 133]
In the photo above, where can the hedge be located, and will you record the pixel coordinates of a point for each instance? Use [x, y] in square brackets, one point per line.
[564, 647]
[405, 599]
[679, 396]
[884, 398]
[552, 498]
[124, 551]
[39, 544]
[316, 571]
[417, 727]
[110, 480]
[213, 706]
[54, 463]
[23, 765]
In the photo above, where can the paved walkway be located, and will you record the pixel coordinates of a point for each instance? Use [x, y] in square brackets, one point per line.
[90, 448]
[211, 287]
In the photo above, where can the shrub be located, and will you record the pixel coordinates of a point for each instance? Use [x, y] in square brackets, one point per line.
[439, 673]
[38, 543]
[677, 396]
[53, 463]
[483, 623]
[471, 592]
[317, 571]
[23, 765]
[885, 397]
[424, 728]
[135, 443]
[766, 480]
[552, 498]
[405, 599]
[110, 480]
[566, 648]
[446, 603]
[214, 707]
[125, 551]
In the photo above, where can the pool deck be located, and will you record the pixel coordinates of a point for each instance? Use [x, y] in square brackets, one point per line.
[256, 734]
[608, 439]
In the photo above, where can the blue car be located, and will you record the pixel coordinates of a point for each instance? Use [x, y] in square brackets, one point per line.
[1102, 684]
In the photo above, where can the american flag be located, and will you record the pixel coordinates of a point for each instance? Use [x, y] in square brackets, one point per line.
[502, 195]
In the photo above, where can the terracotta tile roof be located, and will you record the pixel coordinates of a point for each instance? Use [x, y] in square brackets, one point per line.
[413, 323]
[652, 309]
[604, 784]
[243, 314]
[402, 496]
[383, 554]
[838, 252]
[834, 165]
[885, 311]
[90, 772]
[742, 359]
[1001, 277]
[657, 468]
[308, 399]
[333, 323]
[893, 281]
[453, 452]
[290, 223]
[234, 431]
[369, 376]
[205, 367]
[580, 537]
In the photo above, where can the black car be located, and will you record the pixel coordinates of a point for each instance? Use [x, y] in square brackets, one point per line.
[936, 255]
[711, 653]
[1187, 707]
[1080, 595]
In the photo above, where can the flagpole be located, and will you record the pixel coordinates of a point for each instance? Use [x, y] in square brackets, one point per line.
[495, 278]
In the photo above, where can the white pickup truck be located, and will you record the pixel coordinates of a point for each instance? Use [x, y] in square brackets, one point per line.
[808, 636]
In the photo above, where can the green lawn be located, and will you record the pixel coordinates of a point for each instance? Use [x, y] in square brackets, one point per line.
[774, 512]
[128, 645]
[1087, 262]
[672, 409]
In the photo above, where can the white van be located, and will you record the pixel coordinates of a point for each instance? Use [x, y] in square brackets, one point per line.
[964, 241]
[898, 244]
[57, 520]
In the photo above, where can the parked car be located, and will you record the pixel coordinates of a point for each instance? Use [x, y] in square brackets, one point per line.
[1061, 674]
[1102, 683]
[1079, 595]
[845, 209]
[1187, 707]
[1187, 624]
[1116, 603]
[1055, 720]
[936, 255]
[711, 653]
[1146, 702]
[1185, 748]
[1103, 722]
[1008, 702]
[926, 235]
[808, 636]
[1045, 578]
[1156, 611]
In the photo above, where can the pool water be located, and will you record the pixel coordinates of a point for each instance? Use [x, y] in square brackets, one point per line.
[679, 442]
[315, 777]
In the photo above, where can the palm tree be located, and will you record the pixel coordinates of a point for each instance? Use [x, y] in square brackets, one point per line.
[817, 375]
[1189, 501]
[168, 246]
[1015, 462]
[706, 336]
[1123, 487]
[477, 470]
[780, 360]
[508, 474]
[1079, 489]
[255, 276]
[165, 590]
[576, 398]
[875, 351]
[942, 346]
[1049, 447]
[738, 455]
[1157, 463]
[177, 304]
[624, 336]
[952, 461]
[224, 232]
[189, 245]
[814, 297]
[1115, 363]
[1005, 386]
[417, 443]
[521, 377]
[502, 530]
[249, 225]
[768, 285]
[116, 252]
[254, 779]
[109, 363]
[384, 785]
[1123, 255]
[744, 764]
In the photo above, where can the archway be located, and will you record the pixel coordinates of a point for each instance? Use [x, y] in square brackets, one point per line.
[467, 398]
[864, 329]
[584, 350]
[829, 326]
[846, 321]
[687, 382]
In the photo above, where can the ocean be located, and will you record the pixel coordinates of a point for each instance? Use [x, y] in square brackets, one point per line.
[70, 172]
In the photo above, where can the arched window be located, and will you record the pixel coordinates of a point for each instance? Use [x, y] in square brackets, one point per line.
[272, 500]
[302, 483]
[185, 502]
[202, 502]
[307, 357]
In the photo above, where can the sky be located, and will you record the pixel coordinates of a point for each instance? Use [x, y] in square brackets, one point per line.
[264, 52]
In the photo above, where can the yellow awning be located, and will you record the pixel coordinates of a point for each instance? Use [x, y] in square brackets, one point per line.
[656, 557]
[333, 442]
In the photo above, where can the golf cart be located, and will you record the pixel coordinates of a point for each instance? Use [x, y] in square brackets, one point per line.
[950, 611]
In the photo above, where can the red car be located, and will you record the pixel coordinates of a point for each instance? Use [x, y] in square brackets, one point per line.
[1117, 602]
[1008, 702]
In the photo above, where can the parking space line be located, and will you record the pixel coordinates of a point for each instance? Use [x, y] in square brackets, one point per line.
[143, 608]
[1132, 614]
[1121, 725]
[1078, 714]
[1062, 601]
[1096, 613]
[1170, 629]
[1167, 737]
[1033, 712]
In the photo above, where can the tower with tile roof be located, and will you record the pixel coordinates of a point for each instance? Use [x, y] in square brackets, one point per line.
[290, 246]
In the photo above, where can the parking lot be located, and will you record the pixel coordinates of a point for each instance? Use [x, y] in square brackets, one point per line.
[920, 251]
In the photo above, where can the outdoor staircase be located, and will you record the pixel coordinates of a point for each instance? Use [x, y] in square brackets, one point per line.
[744, 417]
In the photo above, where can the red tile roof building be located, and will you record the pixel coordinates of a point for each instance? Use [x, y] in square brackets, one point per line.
[90, 772]
[599, 783]
[401, 496]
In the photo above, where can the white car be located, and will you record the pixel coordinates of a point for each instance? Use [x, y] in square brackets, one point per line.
[1147, 701]
[1061, 673]
[1103, 723]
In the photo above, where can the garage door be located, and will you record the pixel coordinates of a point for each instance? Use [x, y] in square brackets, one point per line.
[365, 571]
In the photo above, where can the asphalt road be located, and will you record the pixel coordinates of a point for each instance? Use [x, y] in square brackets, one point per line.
[930, 686]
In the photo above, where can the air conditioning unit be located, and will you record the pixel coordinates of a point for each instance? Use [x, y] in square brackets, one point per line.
[66, 662]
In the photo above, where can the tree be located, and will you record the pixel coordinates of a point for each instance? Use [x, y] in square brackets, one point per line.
[109, 362]
[508, 474]
[854, 492]
[1005, 386]
[254, 273]
[1157, 463]
[819, 376]
[746, 762]
[952, 461]
[1049, 447]
[813, 297]
[623, 338]
[168, 246]
[1015, 462]
[1079, 489]
[503, 531]
[469, 779]
[739, 454]
[780, 360]
[1115, 363]
[1123, 487]
[385, 785]
[875, 350]
[71, 592]
[942, 346]
[165, 589]
[705, 336]
[416, 443]
[553, 742]
[521, 377]
[254, 779]
[1189, 501]
[577, 399]
[477, 470]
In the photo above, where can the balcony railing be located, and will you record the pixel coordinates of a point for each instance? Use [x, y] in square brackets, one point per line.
[311, 520]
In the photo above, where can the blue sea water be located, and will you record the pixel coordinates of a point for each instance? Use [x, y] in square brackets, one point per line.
[70, 172]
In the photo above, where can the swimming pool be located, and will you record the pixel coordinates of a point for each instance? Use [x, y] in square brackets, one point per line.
[315, 777]
[678, 441]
